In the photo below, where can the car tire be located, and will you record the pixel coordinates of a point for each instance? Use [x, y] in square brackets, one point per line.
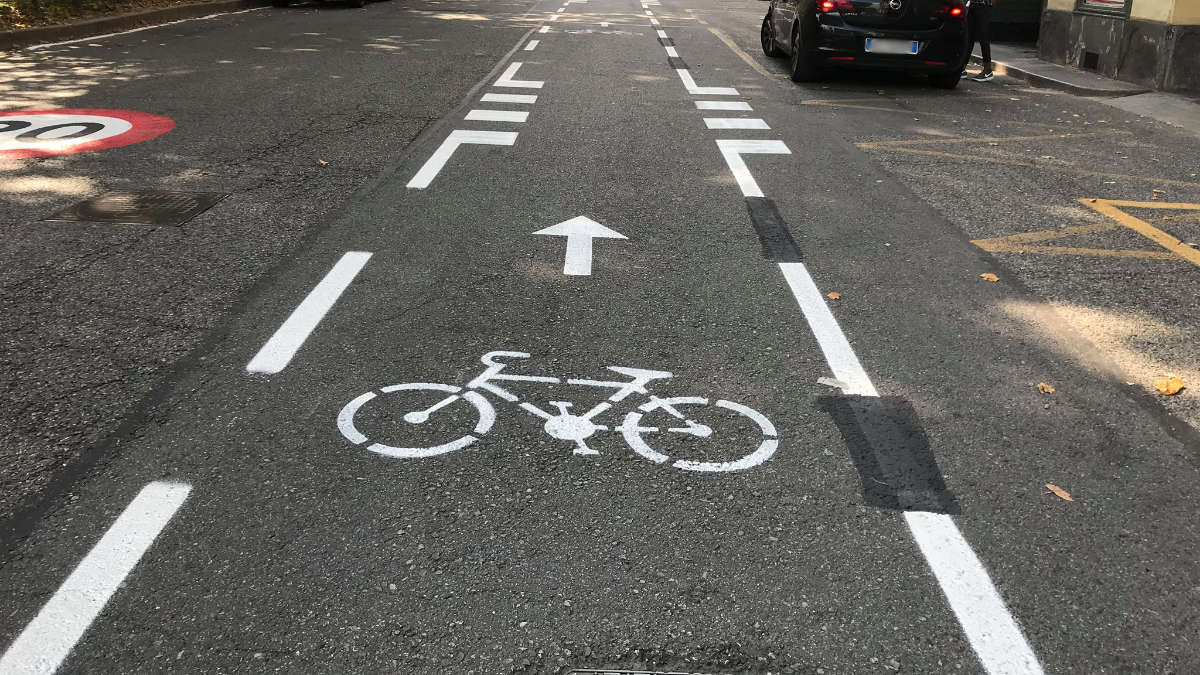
[946, 80]
[767, 37]
[280, 3]
[356, 4]
[804, 66]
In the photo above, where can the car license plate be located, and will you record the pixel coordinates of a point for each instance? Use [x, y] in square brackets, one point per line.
[892, 46]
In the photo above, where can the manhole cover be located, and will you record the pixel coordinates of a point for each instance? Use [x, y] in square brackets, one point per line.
[149, 207]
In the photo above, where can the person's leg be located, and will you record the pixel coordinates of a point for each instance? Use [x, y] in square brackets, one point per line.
[984, 37]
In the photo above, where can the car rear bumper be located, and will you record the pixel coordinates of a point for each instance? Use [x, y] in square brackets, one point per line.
[841, 45]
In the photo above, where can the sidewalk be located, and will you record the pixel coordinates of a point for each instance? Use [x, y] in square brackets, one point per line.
[1021, 61]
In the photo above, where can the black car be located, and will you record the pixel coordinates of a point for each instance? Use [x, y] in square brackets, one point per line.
[926, 36]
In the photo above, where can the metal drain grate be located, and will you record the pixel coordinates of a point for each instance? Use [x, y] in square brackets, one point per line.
[148, 207]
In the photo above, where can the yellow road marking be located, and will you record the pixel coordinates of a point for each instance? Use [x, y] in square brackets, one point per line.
[741, 53]
[1110, 208]
[1044, 167]
[1021, 243]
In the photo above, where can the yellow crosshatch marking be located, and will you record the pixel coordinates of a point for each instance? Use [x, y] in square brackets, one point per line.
[1175, 249]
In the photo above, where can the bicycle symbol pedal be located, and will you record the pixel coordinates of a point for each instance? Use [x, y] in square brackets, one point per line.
[565, 424]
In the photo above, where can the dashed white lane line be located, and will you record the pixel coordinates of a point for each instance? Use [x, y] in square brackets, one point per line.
[283, 345]
[661, 33]
[49, 638]
[986, 621]
[532, 45]
[506, 78]
[735, 123]
[696, 90]
[553, 17]
[544, 29]
[671, 51]
[732, 151]
[649, 13]
[509, 98]
[654, 22]
[560, 10]
[722, 105]
[458, 137]
[497, 115]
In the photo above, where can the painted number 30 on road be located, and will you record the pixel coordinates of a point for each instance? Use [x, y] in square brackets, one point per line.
[40, 133]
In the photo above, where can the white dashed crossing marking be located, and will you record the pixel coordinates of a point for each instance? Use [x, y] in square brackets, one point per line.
[506, 78]
[509, 98]
[732, 151]
[696, 90]
[49, 638]
[438, 159]
[735, 123]
[722, 105]
[532, 45]
[544, 29]
[662, 34]
[497, 115]
[283, 345]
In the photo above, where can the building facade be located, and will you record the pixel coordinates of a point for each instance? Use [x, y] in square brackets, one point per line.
[1155, 43]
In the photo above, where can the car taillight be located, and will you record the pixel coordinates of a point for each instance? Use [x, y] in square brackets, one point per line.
[827, 6]
[956, 11]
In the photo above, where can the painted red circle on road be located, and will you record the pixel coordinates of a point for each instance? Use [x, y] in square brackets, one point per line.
[95, 129]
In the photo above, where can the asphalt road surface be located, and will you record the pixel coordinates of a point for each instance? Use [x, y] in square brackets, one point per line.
[542, 338]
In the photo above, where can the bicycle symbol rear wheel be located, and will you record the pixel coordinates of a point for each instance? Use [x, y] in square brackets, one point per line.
[487, 416]
[632, 430]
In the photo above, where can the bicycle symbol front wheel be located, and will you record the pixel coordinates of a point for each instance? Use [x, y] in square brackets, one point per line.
[633, 431]
[484, 410]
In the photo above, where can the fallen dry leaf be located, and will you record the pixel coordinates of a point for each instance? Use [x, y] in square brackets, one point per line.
[834, 295]
[1169, 385]
[988, 276]
[1157, 194]
[1045, 388]
[1059, 491]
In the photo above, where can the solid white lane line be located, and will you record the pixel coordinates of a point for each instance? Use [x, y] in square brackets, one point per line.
[509, 98]
[986, 621]
[732, 151]
[506, 78]
[735, 123]
[722, 105]
[990, 628]
[690, 84]
[93, 38]
[283, 345]
[49, 638]
[497, 115]
[438, 159]
[671, 51]
[544, 29]
[532, 45]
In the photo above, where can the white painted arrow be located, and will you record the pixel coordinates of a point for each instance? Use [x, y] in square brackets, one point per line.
[580, 231]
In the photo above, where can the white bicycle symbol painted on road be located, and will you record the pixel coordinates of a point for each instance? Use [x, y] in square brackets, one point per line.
[563, 424]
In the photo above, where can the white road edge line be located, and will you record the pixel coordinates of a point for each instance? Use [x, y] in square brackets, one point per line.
[986, 621]
[732, 151]
[278, 351]
[478, 115]
[722, 105]
[49, 638]
[735, 123]
[438, 159]
[509, 98]
[506, 78]
[690, 84]
[532, 45]
[138, 30]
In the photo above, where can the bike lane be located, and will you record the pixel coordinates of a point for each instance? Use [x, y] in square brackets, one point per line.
[299, 548]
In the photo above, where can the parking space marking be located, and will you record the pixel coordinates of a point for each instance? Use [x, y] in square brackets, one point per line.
[62, 621]
[1109, 207]
[497, 115]
[1022, 243]
[506, 78]
[722, 105]
[277, 353]
[696, 90]
[735, 123]
[509, 98]
[458, 137]
[732, 150]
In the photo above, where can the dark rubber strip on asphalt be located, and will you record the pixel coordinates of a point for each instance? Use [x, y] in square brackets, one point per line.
[677, 63]
[666, 42]
[891, 452]
[777, 242]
